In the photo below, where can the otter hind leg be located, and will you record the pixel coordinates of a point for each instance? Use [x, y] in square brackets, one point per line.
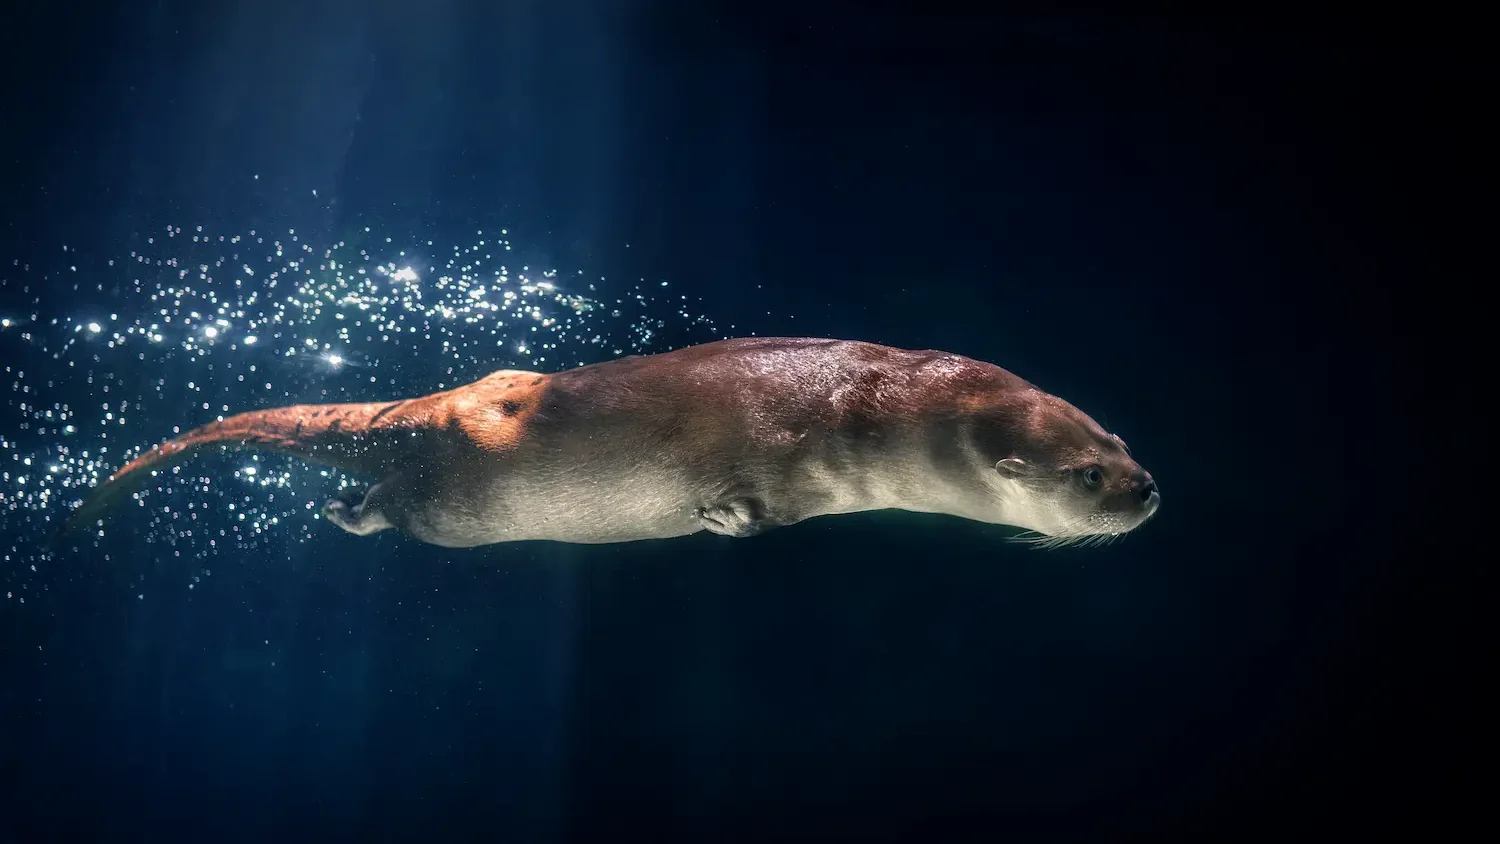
[359, 514]
[738, 517]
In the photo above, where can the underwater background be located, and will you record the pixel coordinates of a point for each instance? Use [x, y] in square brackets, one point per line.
[1184, 226]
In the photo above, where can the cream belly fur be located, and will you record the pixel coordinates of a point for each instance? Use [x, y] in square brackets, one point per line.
[733, 437]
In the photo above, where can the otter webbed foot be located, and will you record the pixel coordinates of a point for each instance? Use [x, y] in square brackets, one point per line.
[739, 517]
[353, 512]
[351, 495]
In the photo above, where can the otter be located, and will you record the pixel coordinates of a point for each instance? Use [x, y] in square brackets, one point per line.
[735, 437]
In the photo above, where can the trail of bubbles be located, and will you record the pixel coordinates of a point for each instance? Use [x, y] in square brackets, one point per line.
[193, 325]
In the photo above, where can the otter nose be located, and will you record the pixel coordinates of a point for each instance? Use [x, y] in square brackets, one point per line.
[1146, 487]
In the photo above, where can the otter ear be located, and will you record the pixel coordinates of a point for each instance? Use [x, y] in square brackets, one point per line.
[1013, 467]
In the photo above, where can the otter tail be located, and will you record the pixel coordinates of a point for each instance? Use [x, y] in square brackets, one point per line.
[350, 437]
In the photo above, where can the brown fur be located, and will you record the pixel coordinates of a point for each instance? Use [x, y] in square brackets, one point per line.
[368, 438]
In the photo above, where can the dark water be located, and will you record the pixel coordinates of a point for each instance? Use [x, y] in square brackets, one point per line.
[1188, 228]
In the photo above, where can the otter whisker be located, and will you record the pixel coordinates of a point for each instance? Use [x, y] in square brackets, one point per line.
[1067, 536]
[1087, 531]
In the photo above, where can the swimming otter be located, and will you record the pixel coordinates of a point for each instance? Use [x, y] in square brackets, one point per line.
[735, 437]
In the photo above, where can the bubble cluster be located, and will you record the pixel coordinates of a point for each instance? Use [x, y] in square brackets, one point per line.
[107, 356]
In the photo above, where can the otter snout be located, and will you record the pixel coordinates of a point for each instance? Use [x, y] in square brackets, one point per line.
[1146, 490]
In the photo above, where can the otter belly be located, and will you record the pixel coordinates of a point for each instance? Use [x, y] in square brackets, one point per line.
[560, 504]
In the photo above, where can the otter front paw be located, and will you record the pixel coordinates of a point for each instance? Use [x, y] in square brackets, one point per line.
[739, 517]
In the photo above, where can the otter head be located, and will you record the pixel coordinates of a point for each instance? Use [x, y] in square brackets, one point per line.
[1056, 473]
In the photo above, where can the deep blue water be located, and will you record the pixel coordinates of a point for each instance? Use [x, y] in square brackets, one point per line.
[1173, 224]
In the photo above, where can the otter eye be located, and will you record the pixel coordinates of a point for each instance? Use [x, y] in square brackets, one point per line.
[1092, 477]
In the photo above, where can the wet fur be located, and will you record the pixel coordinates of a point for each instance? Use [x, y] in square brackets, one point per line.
[736, 437]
